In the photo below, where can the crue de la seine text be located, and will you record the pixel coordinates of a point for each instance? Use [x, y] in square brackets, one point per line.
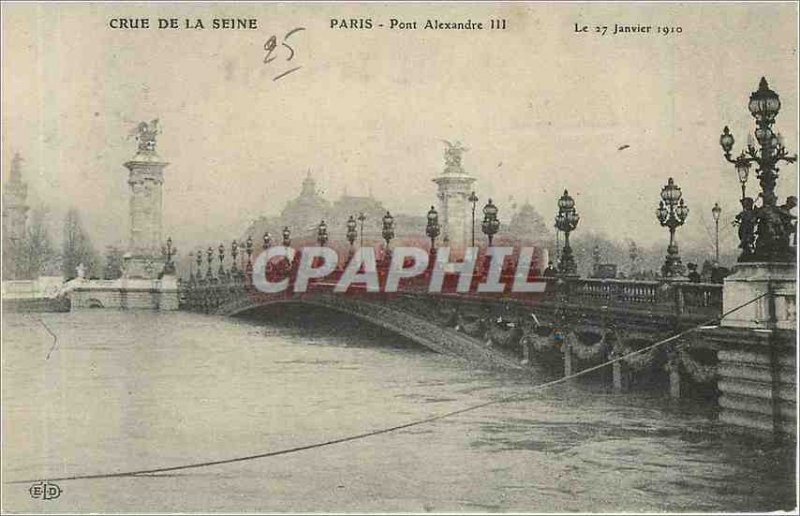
[184, 23]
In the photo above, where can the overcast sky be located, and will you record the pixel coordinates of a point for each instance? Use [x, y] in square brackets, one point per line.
[540, 108]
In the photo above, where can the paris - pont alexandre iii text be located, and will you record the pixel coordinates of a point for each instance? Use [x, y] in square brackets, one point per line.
[429, 24]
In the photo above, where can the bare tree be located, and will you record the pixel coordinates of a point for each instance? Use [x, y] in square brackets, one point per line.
[77, 247]
[32, 255]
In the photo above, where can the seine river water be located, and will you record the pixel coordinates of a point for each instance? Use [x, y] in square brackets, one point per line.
[119, 391]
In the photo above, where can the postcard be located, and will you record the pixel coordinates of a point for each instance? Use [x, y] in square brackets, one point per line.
[402, 257]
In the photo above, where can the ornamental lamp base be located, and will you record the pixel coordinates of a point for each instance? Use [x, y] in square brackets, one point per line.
[673, 269]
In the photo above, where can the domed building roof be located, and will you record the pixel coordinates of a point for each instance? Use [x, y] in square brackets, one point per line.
[527, 224]
[305, 211]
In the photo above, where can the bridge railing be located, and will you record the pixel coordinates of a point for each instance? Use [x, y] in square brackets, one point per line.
[646, 292]
[701, 295]
[672, 296]
[677, 297]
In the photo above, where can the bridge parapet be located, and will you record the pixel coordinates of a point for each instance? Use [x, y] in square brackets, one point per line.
[653, 297]
[668, 297]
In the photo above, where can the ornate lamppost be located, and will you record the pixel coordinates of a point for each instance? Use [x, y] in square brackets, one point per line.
[474, 200]
[490, 224]
[169, 252]
[221, 250]
[361, 219]
[671, 213]
[199, 264]
[234, 254]
[191, 267]
[773, 226]
[388, 228]
[322, 233]
[267, 240]
[558, 243]
[388, 235]
[715, 212]
[566, 221]
[209, 260]
[742, 171]
[432, 229]
[352, 234]
[249, 249]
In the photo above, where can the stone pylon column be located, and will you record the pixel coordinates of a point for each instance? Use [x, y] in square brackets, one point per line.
[15, 207]
[455, 212]
[15, 217]
[146, 177]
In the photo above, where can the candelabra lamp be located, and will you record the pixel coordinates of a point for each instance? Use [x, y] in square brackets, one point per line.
[567, 220]
[671, 213]
[765, 230]
[432, 229]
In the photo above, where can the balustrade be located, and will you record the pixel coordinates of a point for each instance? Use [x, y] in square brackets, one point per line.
[209, 292]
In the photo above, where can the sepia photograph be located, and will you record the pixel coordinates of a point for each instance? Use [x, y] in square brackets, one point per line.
[399, 257]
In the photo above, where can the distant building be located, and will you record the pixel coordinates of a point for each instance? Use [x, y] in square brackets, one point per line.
[527, 225]
[303, 214]
[15, 218]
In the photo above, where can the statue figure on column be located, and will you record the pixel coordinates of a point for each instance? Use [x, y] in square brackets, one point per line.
[146, 135]
[746, 220]
[452, 154]
[790, 220]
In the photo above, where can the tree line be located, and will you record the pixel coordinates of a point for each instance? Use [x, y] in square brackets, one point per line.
[35, 254]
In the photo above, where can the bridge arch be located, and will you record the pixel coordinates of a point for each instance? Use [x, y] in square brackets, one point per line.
[428, 334]
[382, 324]
[93, 302]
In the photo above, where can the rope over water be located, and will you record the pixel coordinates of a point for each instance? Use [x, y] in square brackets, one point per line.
[507, 399]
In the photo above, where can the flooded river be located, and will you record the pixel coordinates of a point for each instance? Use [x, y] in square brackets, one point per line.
[120, 391]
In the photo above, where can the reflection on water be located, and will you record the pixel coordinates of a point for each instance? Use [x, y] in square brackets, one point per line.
[126, 391]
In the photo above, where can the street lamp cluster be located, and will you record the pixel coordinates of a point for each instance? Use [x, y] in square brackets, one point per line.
[567, 220]
[352, 234]
[322, 233]
[764, 231]
[388, 228]
[671, 213]
[715, 212]
[432, 229]
[169, 252]
[490, 225]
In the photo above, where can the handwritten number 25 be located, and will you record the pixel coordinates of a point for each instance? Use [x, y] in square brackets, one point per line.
[272, 43]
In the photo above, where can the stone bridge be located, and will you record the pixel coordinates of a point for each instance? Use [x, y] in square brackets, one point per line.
[595, 318]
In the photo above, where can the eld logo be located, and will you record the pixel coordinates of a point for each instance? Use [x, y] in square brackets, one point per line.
[45, 490]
